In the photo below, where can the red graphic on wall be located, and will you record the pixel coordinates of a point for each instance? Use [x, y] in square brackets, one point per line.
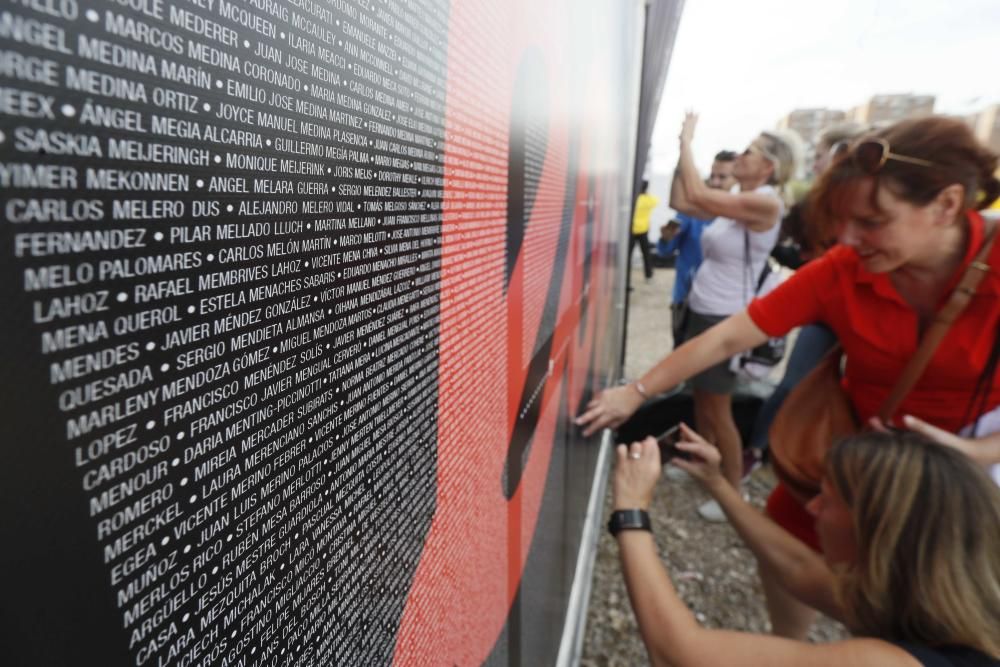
[526, 288]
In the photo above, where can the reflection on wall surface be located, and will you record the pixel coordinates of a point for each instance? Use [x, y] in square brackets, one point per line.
[299, 299]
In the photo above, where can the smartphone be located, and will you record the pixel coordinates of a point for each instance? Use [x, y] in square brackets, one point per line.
[668, 445]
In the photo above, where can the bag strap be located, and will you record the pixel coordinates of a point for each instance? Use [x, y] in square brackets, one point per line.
[748, 265]
[764, 273]
[984, 387]
[959, 299]
[747, 270]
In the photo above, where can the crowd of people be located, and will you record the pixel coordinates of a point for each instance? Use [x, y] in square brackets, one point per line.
[897, 289]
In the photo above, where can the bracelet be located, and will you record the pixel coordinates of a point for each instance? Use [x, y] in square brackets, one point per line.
[629, 520]
[641, 388]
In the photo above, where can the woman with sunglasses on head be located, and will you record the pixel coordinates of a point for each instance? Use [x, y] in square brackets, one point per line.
[910, 530]
[904, 204]
[735, 248]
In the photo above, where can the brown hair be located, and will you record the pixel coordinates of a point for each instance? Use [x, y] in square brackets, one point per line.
[948, 143]
[927, 525]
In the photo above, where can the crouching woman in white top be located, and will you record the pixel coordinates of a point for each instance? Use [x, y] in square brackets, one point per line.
[735, 246]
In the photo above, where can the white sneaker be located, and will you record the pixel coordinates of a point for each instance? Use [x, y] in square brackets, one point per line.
[675, 474]
[710, 511]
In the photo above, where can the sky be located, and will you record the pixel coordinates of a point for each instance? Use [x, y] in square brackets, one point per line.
[744, 64]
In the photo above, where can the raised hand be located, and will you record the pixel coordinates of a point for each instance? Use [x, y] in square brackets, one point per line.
[688, 127]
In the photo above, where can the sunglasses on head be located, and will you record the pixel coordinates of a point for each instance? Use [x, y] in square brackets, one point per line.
[872, 154]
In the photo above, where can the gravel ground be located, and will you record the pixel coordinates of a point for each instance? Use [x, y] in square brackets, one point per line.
[712, 570]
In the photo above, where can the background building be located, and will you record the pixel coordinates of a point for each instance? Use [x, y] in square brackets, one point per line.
[879, 110]
[810, 122]
[986, 125]
[891, 108]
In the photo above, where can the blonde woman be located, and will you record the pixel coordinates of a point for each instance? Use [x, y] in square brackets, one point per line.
[735, 248]
[911, 533]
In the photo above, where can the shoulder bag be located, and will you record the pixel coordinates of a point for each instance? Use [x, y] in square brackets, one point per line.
[757, 363]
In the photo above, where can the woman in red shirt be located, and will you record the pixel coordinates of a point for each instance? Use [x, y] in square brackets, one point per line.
[903, 203]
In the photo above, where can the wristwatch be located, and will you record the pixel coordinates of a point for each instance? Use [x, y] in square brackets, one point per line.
[629, 520]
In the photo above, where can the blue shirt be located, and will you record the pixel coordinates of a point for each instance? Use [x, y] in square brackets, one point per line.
[687, 244]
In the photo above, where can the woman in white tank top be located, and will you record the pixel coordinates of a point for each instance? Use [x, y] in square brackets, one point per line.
[745, 228]
[720, 286]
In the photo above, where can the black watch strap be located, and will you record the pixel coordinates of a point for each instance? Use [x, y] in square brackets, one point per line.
[629, 520]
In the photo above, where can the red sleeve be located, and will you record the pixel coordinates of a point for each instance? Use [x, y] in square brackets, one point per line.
[798, 300]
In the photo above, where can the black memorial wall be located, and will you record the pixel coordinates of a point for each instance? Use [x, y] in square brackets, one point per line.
[299, 297]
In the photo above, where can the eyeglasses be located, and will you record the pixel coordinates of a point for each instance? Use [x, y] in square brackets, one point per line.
[872, 154]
